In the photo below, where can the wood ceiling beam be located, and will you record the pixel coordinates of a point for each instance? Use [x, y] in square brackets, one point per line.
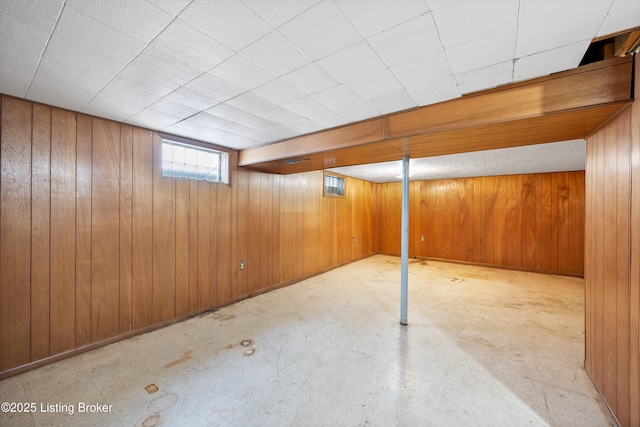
[567, 105]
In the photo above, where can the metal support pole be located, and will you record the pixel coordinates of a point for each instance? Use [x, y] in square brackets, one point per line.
[404, 242]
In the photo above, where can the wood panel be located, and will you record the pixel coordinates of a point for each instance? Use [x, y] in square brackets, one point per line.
[15, 232]
[509, 221]
[142, 255]
[105, 226]
[63, 231]
[126, 225]
[84, 153]
[182, 248]
[101, 245]
[612, 268]
[40, 230]
[634, 285]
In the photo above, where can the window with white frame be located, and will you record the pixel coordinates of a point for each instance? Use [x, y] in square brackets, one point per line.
[180, 160]
[333, 185]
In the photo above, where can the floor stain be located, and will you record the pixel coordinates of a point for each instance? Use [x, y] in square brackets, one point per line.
[151, 388]
[222, 316]
[223, 350]
[162, 403]
[250, 352]
[152, 421]
[246, 343]
[185, 356]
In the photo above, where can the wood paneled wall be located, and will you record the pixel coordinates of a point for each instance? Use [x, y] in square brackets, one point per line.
[95, 244]
[532, 222]
[612, 274]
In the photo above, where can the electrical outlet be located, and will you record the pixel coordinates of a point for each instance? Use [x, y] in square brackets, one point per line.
[241, 264]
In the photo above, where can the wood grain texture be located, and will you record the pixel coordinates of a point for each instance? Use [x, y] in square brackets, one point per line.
[182, 247]
[40, 230]
[142, 256]
[508, 221]
[125, 226]
[84, 150]
[111, 247]
[15, 232]
[634, 285]
[612, 263]
[105, 230]
[63, 205]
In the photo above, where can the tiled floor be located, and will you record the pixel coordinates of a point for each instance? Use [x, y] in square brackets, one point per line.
[483, 347]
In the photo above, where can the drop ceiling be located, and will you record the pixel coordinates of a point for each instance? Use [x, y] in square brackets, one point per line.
[246, 73]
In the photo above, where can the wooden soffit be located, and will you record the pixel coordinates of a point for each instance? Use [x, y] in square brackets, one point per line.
[563, 106]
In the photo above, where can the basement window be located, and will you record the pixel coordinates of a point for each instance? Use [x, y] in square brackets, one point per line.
[181, 160]
[333, 185]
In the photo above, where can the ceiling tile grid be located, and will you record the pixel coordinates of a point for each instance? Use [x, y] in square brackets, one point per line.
[272, 70]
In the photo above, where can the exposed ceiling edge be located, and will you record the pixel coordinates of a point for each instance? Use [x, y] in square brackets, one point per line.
[565, 105]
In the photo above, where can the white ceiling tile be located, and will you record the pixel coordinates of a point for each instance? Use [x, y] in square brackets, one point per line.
[204, 118]
[304, 126]
[278, 92]
[213, 87]
[57, 93]
[551, 61]
[191, 99]
[463, 21]
[138, 18]
[406, 42]
[321, 30]
[18, 69]
[229, 22]
[278, 12]
[280, 132]
[77, 29]
[371, 17]
[86, 61]
[251, 103]
[623, 14]
[145, 82]
[310, 79]
[346, 103]
[192, 46]
[314, 111]
[14, 83]
[437, 4]
[165, 66]
[353, 62]
[239, 116]
[383, 92]
[485, 78]
[26, 26]
[152, 119]
[559, 30]
[484, 52]
[131, 94]
[173, 108]
[241, 73]
[275, 54]
[109, 108]
[48, 70]
[427, 80]
[279, 115]
[533, 10]
[262, 108]
[171, 6]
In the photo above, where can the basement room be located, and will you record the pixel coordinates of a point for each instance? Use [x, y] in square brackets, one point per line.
[319, 212]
